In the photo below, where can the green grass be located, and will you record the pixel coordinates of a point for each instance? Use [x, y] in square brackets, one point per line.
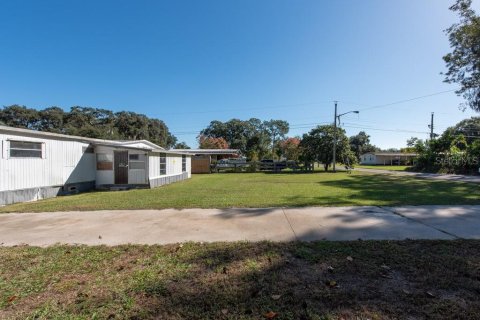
[389, 168]
[270, 190]
[381, 280]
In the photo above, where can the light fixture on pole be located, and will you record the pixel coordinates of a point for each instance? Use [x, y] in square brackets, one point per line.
[337, 117]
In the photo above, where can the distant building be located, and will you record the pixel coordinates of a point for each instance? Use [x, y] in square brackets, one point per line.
[202, 159]
[388, 158]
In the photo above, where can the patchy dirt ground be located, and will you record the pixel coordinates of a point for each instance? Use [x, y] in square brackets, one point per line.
[320, 280]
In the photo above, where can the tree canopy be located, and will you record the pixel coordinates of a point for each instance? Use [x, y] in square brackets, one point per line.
[181, 145]
[463, 62]
[253, 137]
[360, 144]
[89, 122]
[212, 143]
[456, 150]
[317, 145]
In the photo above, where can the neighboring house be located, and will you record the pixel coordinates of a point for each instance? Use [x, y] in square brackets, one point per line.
[36, 165]
[202, 159]
[387, 158]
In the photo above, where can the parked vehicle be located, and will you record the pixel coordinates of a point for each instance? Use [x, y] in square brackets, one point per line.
[272, 165]
[232, 163]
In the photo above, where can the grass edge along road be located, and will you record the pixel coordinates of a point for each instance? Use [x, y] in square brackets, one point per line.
[242, 280]
[386, 167]
[260, 190]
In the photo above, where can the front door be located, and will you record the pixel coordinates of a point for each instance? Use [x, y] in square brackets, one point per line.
[121, 167]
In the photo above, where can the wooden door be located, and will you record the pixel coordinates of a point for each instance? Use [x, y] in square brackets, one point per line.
[121, 167]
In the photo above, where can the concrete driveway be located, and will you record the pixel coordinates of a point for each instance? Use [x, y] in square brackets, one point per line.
[208, 225]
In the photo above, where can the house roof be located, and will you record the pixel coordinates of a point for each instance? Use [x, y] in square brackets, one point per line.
[208, 151]
[391, 154]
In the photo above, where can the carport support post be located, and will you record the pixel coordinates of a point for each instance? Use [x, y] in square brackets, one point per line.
[334, 137]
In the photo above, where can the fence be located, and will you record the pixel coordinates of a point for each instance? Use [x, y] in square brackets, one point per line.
[258, 166]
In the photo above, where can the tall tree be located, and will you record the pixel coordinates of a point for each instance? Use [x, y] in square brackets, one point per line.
[19, 117]
[463, 62]
[181, 145]
[251, 136]
[51, 120]
[290, 148]
[212, 143]
[317, 145]
[360, 144]
[89, 122]
[277, 129]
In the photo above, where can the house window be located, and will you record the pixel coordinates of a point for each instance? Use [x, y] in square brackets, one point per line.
[25, 149]
[184, 163]
[104, 161]
[136, 161]
[163, 164]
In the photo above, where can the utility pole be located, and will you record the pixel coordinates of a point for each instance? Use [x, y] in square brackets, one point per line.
[335, 137]
[431, 128]
[432, 135]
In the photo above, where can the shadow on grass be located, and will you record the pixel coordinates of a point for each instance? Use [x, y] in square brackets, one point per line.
[318, 280]
[392, 190]
[384, 280]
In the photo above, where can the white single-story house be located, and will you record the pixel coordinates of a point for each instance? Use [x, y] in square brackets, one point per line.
[37, 165]
[387, 158]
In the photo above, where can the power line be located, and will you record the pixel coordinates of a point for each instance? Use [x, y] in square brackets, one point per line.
[368, 107]
[382, 129]
[248, 108]
[403, 101]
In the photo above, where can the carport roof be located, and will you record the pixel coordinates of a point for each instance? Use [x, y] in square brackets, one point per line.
[208, 151]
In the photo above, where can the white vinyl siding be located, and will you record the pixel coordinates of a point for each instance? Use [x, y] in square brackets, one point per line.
[63, 162]
[173, 165]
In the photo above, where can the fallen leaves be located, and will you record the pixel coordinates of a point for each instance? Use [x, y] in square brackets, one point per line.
[12, 298]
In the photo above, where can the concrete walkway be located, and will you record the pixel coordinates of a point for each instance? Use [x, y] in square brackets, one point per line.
[436, 176]
[275, 224]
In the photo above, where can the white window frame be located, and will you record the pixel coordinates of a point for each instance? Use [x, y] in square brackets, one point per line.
[108, 159]
[8, 151]
[184, 163]
[130, 162]
[164, 157]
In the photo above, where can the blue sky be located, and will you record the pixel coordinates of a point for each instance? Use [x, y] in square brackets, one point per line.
[190, 62]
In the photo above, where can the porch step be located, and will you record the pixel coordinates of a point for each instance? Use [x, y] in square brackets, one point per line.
[118, 188]
[112, 187]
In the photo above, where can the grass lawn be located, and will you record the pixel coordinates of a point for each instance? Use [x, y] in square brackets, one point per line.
[389, 168]
[270, 190]
[321, 280]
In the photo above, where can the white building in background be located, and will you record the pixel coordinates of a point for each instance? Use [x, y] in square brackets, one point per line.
[37, 165]
[388, 158]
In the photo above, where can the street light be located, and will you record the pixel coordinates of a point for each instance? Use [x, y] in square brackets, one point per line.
[337, 117]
